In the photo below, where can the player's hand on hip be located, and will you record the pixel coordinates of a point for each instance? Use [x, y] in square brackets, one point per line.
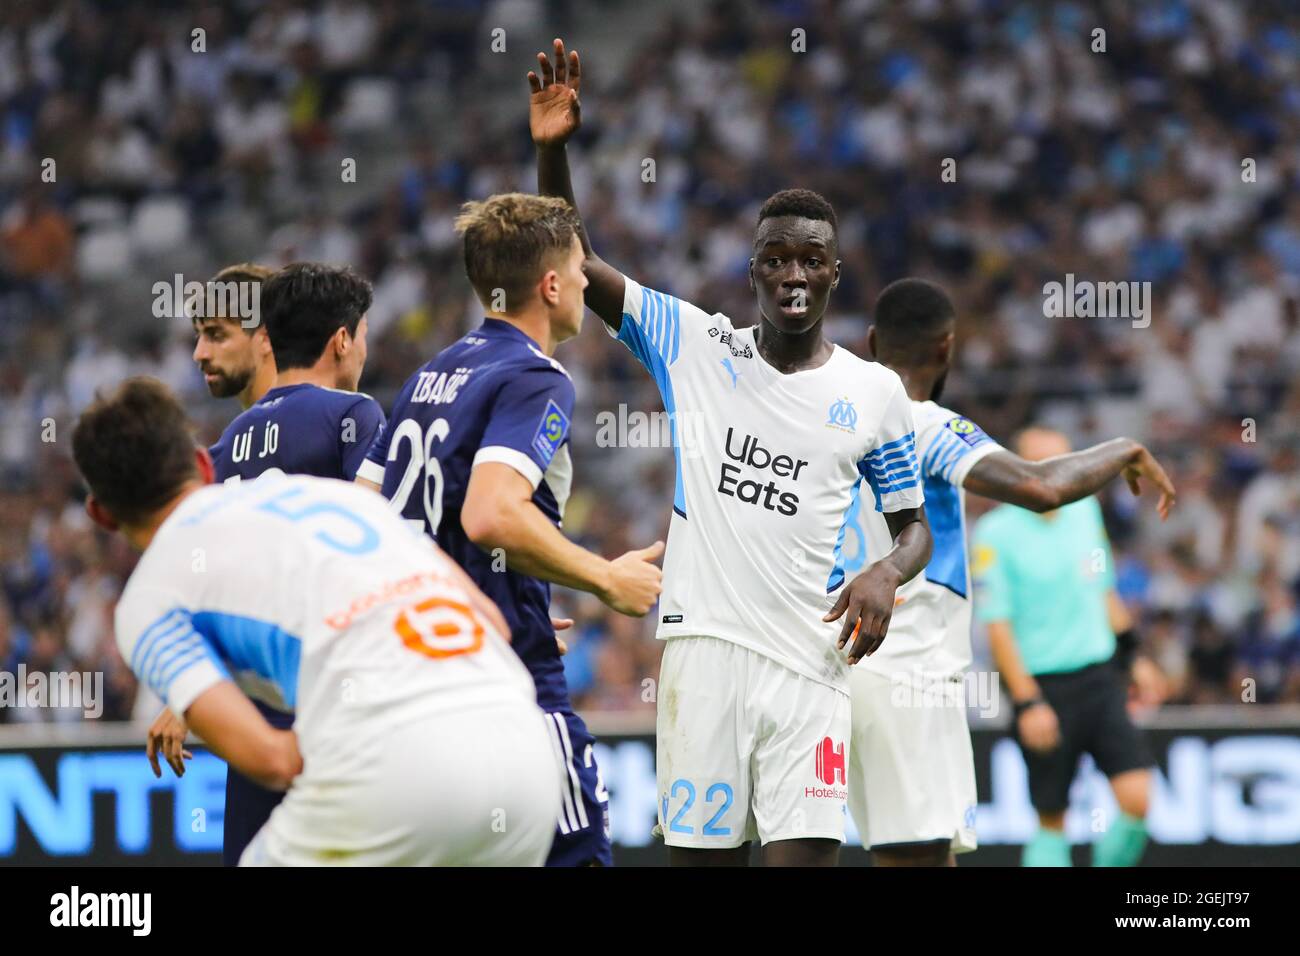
[1146, 466]
[167, 736]
[635, 581]
[554, 113]
[866, 604]
[1039, 728]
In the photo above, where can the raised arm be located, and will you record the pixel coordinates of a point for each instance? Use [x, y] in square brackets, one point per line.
[554, 114]
[1053, 482]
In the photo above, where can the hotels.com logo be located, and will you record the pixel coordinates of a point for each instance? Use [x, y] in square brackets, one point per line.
[831, 769]
[830, 762]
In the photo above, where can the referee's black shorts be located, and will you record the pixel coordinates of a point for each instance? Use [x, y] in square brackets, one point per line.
[1090, 708]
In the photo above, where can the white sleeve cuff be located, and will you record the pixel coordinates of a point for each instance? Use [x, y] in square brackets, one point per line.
[509, 456]
[371, 471]
[969, 460]
[187, 687]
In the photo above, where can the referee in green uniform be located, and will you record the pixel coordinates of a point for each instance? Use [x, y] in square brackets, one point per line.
[1065, 647]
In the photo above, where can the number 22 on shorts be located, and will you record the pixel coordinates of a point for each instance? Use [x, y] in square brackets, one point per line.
[717, 793]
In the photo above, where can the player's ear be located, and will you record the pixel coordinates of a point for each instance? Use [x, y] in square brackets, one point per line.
[341, 341]
[871, 341]
[549, 289]
[946, 346]
[752, 287]
[99, 514]
[262, 340]
[836, 281]
[203, 460]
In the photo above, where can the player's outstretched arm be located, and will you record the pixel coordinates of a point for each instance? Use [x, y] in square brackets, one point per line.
[230, 724]
[867, 602]
[499, 513]
[1053, 482]
[554, 114]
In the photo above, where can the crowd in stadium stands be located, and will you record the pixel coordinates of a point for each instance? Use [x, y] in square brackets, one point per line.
[1171, 157]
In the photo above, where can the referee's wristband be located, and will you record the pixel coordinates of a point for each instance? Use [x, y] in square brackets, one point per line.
[1023, 705]
[1126, 647]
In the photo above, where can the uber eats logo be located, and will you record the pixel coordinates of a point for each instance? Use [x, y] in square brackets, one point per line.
[750, 453]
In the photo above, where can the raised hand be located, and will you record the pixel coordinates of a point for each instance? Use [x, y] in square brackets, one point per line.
[554, 113]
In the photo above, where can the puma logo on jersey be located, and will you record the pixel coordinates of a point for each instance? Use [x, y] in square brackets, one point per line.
[726, 363]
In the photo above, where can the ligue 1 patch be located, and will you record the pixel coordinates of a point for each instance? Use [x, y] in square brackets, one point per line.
[967, 431]
[550, 432]
[672, 619]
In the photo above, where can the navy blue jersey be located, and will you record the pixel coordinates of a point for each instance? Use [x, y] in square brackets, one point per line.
[491, 396]
[300, 430]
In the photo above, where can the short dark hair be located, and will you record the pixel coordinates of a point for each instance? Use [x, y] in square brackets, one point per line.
[510, 239]
[304, 304]
[244, 272]
[909, 315]
[135, 449]
[799, 202]
[239, 272]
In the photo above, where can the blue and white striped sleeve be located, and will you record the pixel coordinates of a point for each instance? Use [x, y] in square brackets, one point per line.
[891, 467]
[656, 327]
[951, 448]
[158, 641]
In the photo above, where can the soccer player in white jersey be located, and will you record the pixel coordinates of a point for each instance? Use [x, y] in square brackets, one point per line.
[911, 771]
[777, 432]
[417, 739]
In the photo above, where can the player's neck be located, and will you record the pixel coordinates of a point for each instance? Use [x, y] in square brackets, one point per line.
[792, 352]
[534, 324]
[141, 536]
[919, 383]
[263, 381]
[319, 374]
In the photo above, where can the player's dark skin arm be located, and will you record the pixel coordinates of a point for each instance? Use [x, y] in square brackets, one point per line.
[1053, 482]
[554, 114]
[867, 602]
[1039, 486]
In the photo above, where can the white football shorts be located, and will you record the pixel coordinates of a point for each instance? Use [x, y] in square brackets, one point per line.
[912, 772]
[746, 748]
[473, 788]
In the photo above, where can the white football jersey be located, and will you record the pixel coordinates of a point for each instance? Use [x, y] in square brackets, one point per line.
[316, 598]
[929, 634]
[770, 468]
